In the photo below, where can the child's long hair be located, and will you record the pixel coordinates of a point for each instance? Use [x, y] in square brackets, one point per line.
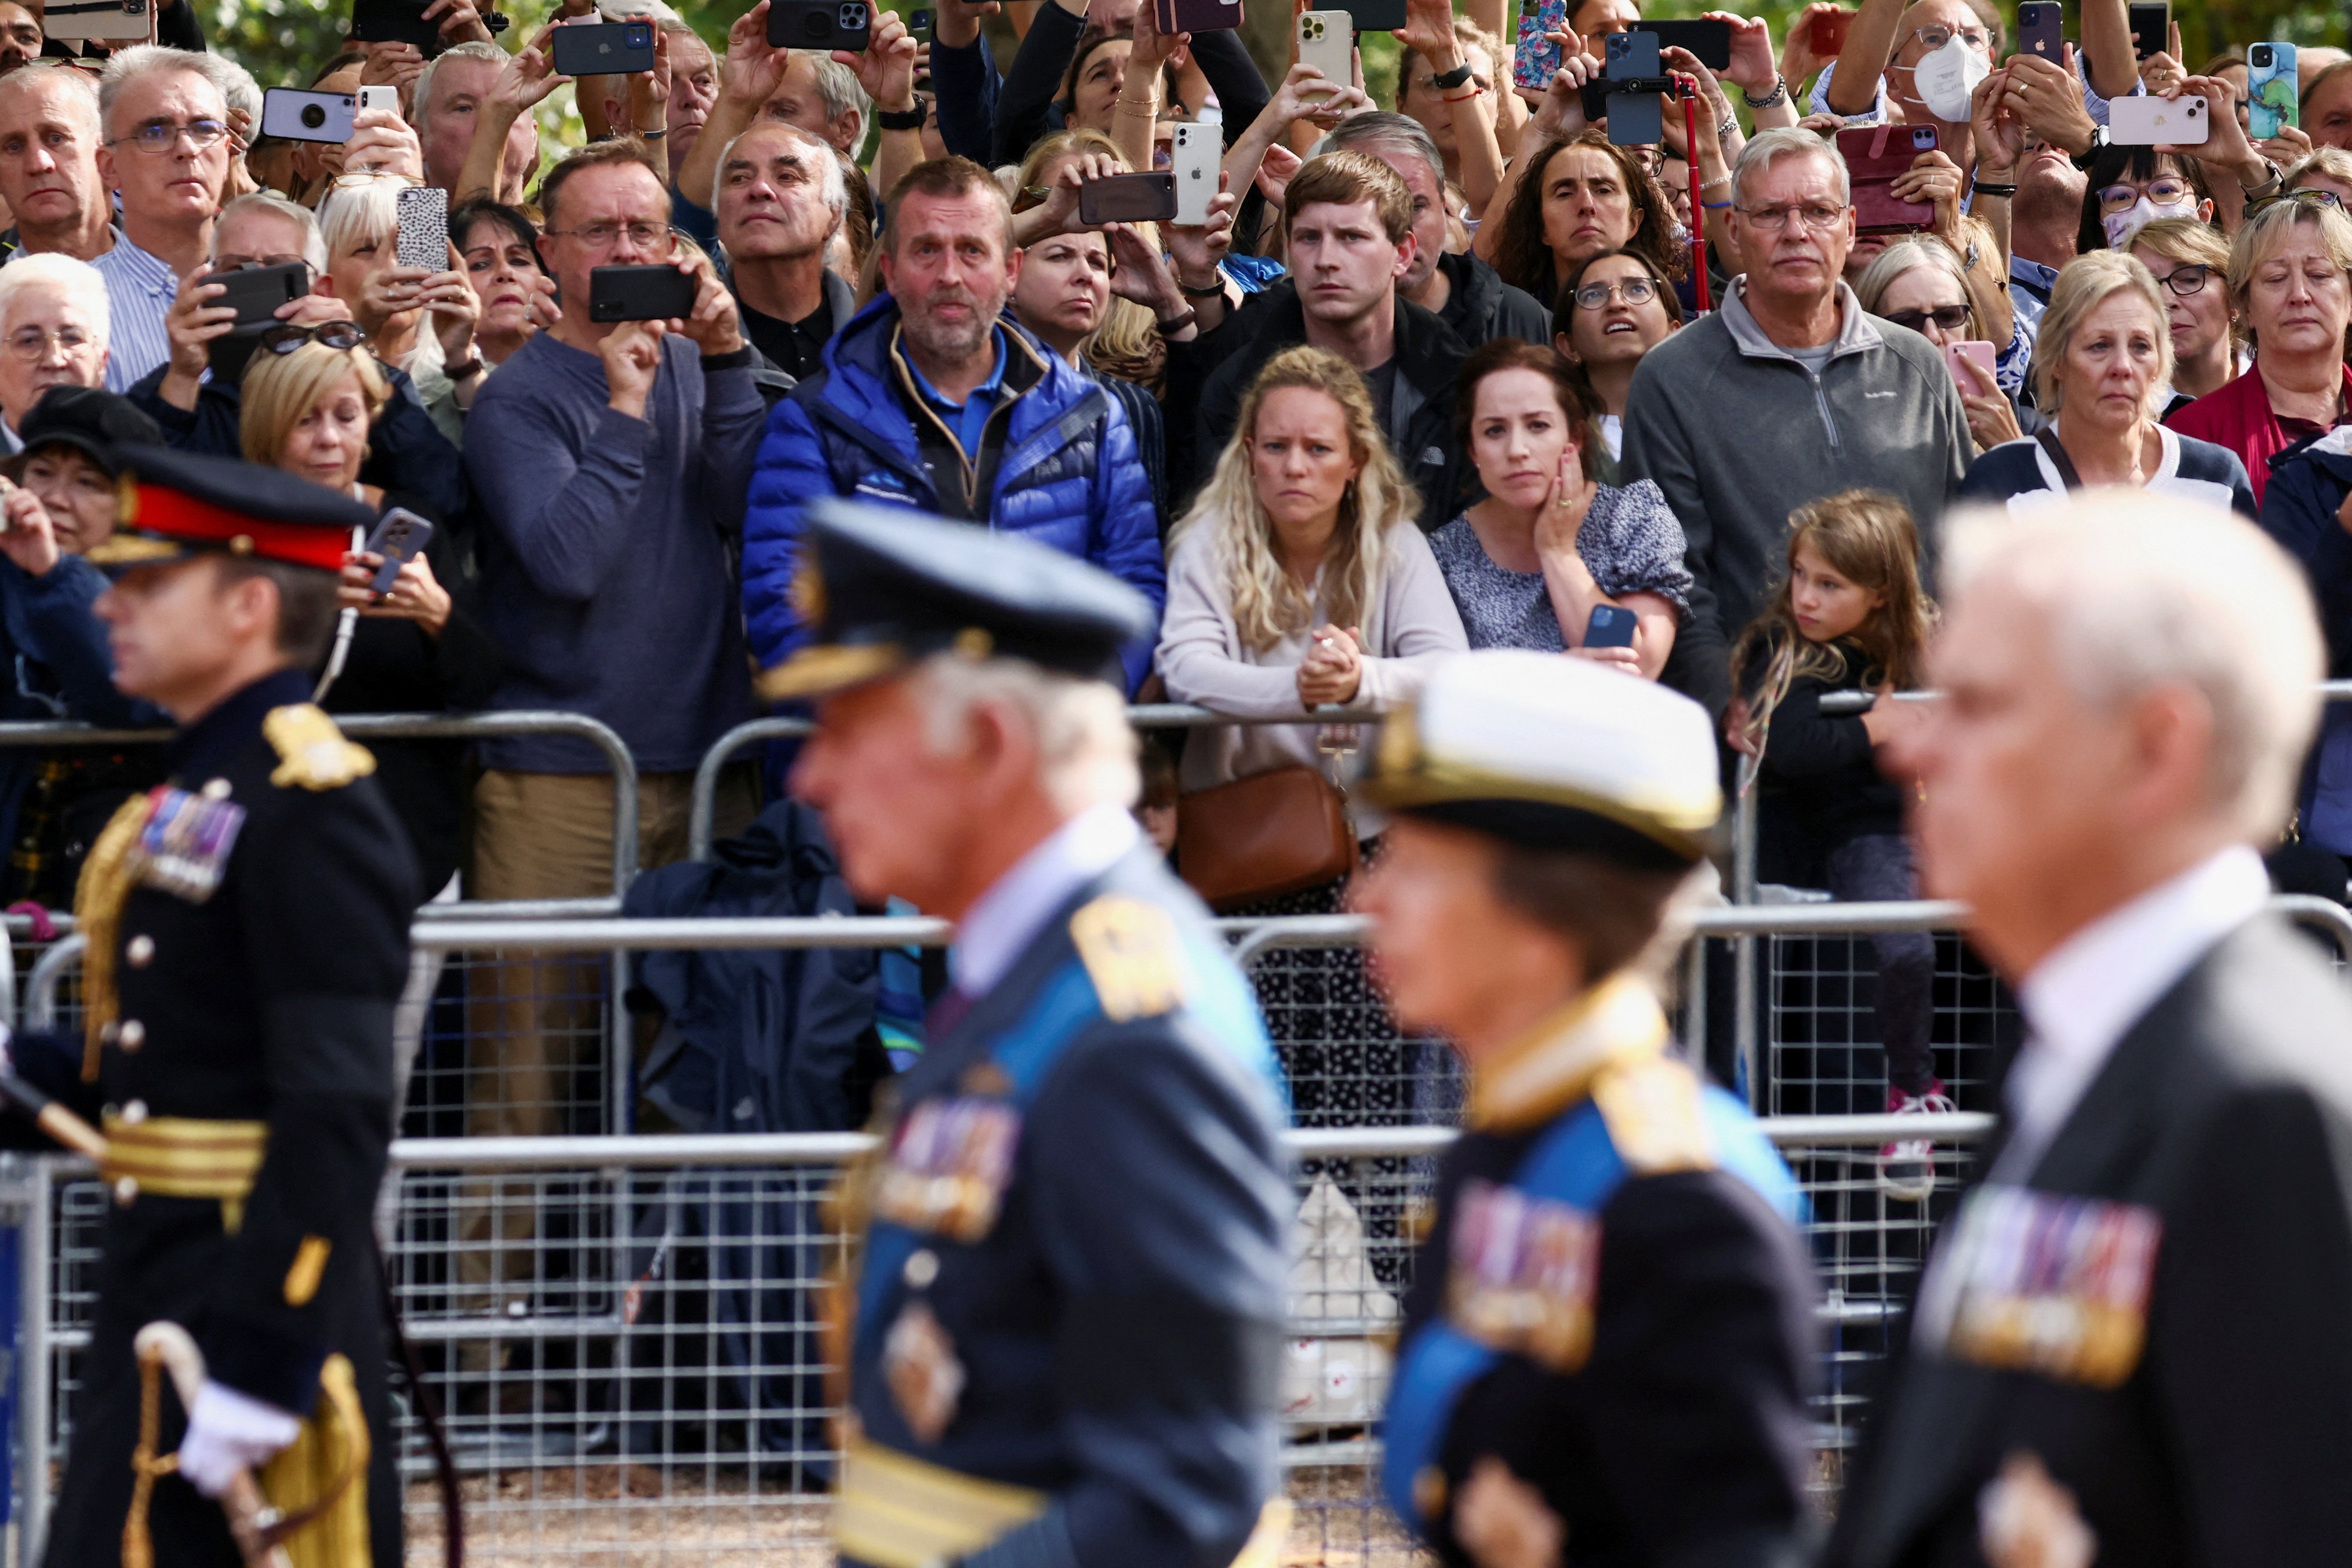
[1867, 537]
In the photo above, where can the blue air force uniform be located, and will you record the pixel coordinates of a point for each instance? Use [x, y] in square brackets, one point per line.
[1062, 1326]
[1613, 1297]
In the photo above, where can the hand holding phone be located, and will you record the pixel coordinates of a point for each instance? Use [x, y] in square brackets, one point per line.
[1610, 626]
[1537, 55]
[1978, 356]
[398, 537]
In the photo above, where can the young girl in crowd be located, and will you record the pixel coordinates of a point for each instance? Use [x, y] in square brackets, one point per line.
[1849, 616]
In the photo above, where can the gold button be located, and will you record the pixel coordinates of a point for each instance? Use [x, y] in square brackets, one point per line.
[139, 952]
[134, 1034]
[134, 1112]
[922, 1268]
[124, 1191]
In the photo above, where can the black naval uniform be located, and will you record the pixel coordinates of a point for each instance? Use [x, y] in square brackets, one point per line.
[267, 1001]
[2185, 1245]
[1067, 1323]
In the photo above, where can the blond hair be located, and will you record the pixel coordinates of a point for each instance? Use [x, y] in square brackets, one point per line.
[2083, 285]
[2272, 226]
[1268, 603]
[279, 389]
[1127, 342]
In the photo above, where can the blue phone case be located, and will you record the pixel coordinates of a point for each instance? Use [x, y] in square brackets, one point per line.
[1611, 626]
[2271, 92]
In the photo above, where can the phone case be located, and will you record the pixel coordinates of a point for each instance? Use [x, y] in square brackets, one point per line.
[424, 227]
[396, 22]
[1709, 40]
[1610, 626]
[658, 292]
[1636, 119]
[1981, 355]
[604, 48]
[1828, 33]
[2151, 27]
[2271, 91]
[1377, 16]
[1127, 198]
[254, 293]
[1175, 16]
[2042, 29]
[1631, 55]
[1195, 153]
[1873, 155]
[1327, 40]
[294, 115]
[399, 537]
[2159, 121]
[102, 20]
[1535, 58]
[820, 24]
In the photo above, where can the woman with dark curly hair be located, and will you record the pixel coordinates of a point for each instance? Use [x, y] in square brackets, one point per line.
[1578, 196]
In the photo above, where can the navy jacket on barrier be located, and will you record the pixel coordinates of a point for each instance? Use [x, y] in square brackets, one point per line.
[1059, 466]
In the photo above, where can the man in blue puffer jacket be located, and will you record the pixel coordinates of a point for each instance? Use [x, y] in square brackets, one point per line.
[932, 398]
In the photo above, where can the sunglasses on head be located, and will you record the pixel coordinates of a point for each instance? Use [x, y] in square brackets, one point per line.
[288, 336]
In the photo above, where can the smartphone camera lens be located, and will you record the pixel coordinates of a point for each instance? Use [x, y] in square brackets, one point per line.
[313, 116]
[852, 16]
[2260, 55]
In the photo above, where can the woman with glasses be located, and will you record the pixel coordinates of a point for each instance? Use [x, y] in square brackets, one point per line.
[1614, 309]
[2127, 188]
[1577, 197]
[2290, 277]
[53, 332]
[2101, 362]
[499, 248]
[1552, 560]
[1919, 284]
[2325, 172]
[420, 321]
[2189, 261]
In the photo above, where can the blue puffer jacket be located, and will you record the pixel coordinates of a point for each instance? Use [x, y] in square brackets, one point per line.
[1067, 475]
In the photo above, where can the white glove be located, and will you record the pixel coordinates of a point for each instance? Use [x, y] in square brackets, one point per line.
[230, 1432]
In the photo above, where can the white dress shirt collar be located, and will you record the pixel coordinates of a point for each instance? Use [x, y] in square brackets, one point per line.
[1001, 921]
[2082, 998]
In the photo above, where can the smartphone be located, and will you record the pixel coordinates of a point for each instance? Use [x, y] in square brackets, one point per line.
[1327, 40]
[2159, 121]
[257, 292]
[383, 98]
[2151, 27]
[820, 24]
[1637, 111]
[102, 20]
[1127, 198]
[2272, 90]
[396, 22]
[1631, 55]
[1175, 16]
[1874, 155]
[1377, 16]
[658, 292]
[1827, 33]
[1611, 625]
[2042, 29]
[1537, 56]
[1195, 153]
[424, 227]
[294, 115]
[920, 26]
[1980, 355]
[606, 48]
[1709, 40]
[398, 537]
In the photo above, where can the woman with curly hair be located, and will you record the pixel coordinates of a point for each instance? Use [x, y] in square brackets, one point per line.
[1577, 197]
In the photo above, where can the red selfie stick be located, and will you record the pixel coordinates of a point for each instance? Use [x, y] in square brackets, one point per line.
[1698, 209]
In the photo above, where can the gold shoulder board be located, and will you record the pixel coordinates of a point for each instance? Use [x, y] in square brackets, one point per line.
[1652, 1108]
[1129, 947]
[311, 752]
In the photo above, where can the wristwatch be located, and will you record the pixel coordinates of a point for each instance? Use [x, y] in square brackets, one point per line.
[1452, 78]
[1177, 323]
[901, 118]
[2089, 155]
[465, 370]
[1215, 291]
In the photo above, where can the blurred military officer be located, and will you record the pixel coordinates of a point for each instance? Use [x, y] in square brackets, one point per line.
[1609, 1337]
[247, 924]
[1063, 1336]
[2145, 1297]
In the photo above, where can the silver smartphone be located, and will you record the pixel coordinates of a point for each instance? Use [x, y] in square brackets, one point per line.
[1196, 154]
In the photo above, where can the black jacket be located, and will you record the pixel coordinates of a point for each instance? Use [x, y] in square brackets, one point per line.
[2223, 1116]
[1482, 308]
[1419, 422]
[1821, 780]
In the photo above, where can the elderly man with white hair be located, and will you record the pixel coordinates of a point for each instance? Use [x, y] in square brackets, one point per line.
[2139, 1312]
[53, 332]
[779, 201]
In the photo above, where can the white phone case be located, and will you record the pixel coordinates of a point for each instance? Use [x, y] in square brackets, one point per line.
[2159, 121]
[385, 97]
[1327, 40]
[1195, 154]
[424, 234]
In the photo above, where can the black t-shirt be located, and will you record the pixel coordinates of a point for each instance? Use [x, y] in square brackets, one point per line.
[796, 347]
[1382, 381]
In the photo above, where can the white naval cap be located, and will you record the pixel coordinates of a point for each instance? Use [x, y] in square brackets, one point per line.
[1555, 753]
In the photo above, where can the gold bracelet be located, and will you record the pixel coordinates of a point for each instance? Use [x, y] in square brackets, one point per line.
[1146, 110]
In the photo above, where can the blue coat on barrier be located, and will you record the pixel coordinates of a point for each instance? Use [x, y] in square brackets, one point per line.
[1068, 475]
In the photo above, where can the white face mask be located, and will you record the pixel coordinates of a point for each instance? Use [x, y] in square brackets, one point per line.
[2121, 226]
[1946, 78]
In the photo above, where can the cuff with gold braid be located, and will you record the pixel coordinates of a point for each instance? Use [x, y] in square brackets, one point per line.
[171, 506]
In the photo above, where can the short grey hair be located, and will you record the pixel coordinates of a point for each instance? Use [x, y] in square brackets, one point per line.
[77, 280]
[1767, 148]
[1086, 747]
[149, 59]
[831, 183]
[1376, 129]
[80, 87]
[2143, 590]
[314, 242]
[471, 49]
[838, 90]
[358, 214]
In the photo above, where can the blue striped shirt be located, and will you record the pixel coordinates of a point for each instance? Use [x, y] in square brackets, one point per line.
[140, 288]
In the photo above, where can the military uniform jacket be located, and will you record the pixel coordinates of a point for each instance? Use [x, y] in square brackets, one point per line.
[1074, 1278]
[1613, 1299]
[267, 998]
[2185, 1243]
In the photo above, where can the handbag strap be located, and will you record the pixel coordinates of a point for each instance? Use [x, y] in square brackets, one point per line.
[2048, 438]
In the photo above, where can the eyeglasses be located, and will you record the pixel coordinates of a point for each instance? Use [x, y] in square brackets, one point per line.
[1946, 317]
[288, 336]
[2165, 190]
[1633, 291]
[161, 136]
[2186, 280]
[31, 344]
[1935, 36]
[652, 238]
[1812, 214]
[2306, 195]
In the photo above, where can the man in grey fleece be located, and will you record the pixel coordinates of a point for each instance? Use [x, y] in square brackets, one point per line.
[1790, 392]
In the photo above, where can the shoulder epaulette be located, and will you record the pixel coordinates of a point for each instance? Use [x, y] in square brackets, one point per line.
[1130, 949]
[1652, 1108]
[311, 751]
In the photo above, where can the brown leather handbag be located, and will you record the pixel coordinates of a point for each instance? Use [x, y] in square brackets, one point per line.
[1274, 833]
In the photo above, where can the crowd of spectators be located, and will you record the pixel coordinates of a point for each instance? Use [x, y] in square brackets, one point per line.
[1454, 370]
